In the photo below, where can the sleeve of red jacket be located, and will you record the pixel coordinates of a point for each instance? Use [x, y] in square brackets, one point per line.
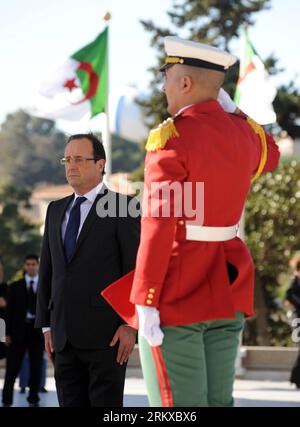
[273, 154]
[165, 167]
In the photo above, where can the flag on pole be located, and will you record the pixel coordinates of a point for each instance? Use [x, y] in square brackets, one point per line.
[79, 86]
[255, 92]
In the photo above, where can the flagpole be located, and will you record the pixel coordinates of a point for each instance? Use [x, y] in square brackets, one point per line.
[106, 133]
[239, 369]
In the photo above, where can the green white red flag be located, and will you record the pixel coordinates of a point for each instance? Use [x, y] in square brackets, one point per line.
[255, 92]
[79, 86]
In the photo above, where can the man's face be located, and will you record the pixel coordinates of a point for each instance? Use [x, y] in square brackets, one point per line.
[172, 89]
[31, 267]
[86, 173]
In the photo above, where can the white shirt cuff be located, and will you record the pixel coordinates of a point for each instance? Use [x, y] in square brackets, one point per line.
[46, 329]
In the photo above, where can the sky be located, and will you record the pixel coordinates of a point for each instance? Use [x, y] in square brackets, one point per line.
[38, 35]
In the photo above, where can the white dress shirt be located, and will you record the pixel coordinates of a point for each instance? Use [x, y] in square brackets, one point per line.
[84, 210]
[35, 280]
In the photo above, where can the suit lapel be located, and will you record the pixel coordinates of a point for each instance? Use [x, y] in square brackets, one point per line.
[90, 219]
[24, 293]
[61, 210]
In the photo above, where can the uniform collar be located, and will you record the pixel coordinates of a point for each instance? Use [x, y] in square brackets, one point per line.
[202, 107]
[183, 108]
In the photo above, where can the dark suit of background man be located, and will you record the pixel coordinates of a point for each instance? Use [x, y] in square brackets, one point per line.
[3, 296]
[21, 334]
[293, 297]
[82, 254]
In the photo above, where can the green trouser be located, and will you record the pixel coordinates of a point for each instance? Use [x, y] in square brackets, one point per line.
[195, 365]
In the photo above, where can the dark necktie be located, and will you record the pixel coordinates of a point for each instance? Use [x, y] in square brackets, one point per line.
[31, 299]
[72, 228]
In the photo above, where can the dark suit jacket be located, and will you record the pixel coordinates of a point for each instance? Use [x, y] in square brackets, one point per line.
[69, 294]
[16, 311]
[3, 294]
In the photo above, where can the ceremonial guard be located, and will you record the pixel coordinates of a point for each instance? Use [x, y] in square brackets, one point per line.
[194, 278]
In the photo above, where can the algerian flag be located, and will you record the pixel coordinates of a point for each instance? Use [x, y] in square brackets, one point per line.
[254, 93]
[79, 86]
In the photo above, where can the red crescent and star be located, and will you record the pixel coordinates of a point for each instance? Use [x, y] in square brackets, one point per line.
[70, 84]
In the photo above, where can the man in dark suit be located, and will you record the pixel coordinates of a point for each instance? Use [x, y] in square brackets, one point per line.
[83, 252]
[293, 300]
[3, 296]
[21, 334]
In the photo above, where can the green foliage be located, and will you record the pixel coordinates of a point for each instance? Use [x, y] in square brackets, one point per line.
[126, 155]
[18, 236]
[287, 107]
[214, 22]
[272, 234]
[30, 150]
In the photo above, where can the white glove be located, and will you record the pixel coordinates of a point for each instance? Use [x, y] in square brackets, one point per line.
[226, 102]
[149, 323]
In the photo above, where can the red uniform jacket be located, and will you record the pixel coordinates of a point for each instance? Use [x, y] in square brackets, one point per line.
[188, 281]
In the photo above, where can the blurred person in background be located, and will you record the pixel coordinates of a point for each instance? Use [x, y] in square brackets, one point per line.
[25, 374]
[21, 334]
[3, 294]
[293, 300]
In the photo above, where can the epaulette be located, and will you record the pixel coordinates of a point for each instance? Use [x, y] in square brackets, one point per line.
[159, 136]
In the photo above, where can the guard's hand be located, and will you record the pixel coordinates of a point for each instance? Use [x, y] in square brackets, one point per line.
[149, 325]
[49, 346]
[2, 302]
[226, 102]
[8, 340]
[126, 335]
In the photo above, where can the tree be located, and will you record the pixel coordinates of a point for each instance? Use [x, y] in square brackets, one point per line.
[30, 151]
[272, 234]
[18, 236]
[287, 107]
[126, 155]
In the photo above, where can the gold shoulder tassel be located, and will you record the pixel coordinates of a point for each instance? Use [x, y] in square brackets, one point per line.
[159, 136]
[264, 148]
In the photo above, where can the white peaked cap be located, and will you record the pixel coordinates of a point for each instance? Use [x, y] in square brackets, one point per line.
[187, 52]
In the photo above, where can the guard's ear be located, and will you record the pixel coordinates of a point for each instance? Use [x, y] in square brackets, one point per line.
[186, 84]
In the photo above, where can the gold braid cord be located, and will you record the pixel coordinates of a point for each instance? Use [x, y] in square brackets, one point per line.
[264, 149]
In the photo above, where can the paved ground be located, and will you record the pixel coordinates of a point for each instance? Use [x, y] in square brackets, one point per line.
[247, 394]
